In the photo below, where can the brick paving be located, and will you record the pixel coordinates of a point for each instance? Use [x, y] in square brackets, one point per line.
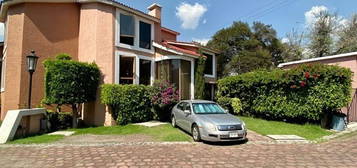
[336, 153]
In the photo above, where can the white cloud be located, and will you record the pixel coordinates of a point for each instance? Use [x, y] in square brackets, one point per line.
[285, 40]
[202, 41]
[204, 21]
[310, 16]
[190, 15]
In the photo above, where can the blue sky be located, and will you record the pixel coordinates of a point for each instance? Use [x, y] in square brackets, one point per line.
[283, 15]
[199, 19]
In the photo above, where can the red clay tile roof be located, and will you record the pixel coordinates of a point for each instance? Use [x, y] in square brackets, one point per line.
[193, 44]
[185, 51]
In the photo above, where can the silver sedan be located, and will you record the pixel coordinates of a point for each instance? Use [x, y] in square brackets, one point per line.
[207, 121]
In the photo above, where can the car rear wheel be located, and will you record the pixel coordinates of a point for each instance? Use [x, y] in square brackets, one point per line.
[173, 121]
[196, 133]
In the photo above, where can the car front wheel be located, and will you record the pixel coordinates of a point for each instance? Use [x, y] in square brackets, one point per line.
[173, 121]
[196, 134]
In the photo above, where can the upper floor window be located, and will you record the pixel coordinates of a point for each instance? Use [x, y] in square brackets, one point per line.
[145, 35]
[127, 29]
[209, 64]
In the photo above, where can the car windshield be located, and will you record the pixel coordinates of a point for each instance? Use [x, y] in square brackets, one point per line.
[207, 108]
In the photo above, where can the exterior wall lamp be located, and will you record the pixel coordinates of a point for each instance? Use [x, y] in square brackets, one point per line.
[31, 67]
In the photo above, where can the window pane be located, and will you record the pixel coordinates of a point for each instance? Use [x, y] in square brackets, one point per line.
[185, 79]
[209, 64]
[168, 70]
[126, 70]
[145, 72]
[127, 40]
[127, 25]
[127, 29]
[145, 35]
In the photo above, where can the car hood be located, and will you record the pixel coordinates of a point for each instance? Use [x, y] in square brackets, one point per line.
[220, 119]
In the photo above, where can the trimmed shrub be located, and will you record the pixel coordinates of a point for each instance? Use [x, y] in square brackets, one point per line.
[164, 96]
[63, 56]
[301, 94]
[129, 103]
[70, 82]
[225, 102]
[58, 121]
[236, 105]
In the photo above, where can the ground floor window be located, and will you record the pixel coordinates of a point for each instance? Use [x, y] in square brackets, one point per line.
[145, 72]
[126, 70]
[177, 72]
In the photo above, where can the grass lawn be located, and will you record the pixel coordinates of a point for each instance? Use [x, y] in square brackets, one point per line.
[264, 127]
[37, 139]
[160, 133]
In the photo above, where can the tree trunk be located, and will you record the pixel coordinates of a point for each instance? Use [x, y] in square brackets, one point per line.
[74, 115]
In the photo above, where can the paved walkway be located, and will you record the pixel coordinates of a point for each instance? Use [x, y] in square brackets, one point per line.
[336, 153]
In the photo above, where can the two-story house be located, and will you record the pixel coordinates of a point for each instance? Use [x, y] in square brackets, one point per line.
[128, 45]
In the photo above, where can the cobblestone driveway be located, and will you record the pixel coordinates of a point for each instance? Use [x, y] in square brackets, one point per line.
[338, 153]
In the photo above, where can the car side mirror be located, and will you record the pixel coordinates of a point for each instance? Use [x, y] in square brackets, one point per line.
[187, 112]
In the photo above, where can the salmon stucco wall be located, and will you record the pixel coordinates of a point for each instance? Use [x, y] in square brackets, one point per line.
[168, 36]
[347, 62]
[96, 44]
[47, 28]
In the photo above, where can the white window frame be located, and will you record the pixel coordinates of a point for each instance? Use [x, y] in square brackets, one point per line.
[137, 20]
[214, 73]
[3, 63]
[137, 66]
[186, 58]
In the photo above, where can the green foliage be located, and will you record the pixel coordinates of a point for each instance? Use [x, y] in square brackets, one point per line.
[244, 48]
[199, 78]
[321, 34]
[225, 102]
[301, 94]
[347, 36]
[59, 120]
[293, 46]
[63, 56]
[129, 103]
[37, 139]
[70, 82]
[236, 105]
[163, 96]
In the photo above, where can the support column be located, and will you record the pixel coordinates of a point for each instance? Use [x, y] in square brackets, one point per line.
[192, 79]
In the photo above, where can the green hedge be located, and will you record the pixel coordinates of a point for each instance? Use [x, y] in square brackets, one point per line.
[129, 103]
[300, 94]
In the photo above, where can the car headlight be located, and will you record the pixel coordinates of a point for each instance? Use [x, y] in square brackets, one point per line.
[211, 127]
[243, 125]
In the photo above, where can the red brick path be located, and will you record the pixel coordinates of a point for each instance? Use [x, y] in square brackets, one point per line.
[338, 153]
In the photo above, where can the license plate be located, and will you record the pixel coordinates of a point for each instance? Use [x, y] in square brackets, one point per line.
[233, 135]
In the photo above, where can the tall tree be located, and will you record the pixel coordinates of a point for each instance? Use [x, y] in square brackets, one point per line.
[321, 34]
[244, 48]
[347, 36]
[293, 46]
[268, 39]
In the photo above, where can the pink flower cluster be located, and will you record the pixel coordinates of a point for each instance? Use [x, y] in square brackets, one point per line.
[165, 94]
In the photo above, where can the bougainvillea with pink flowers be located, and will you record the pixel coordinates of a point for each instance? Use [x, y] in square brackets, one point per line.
[164, 96]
